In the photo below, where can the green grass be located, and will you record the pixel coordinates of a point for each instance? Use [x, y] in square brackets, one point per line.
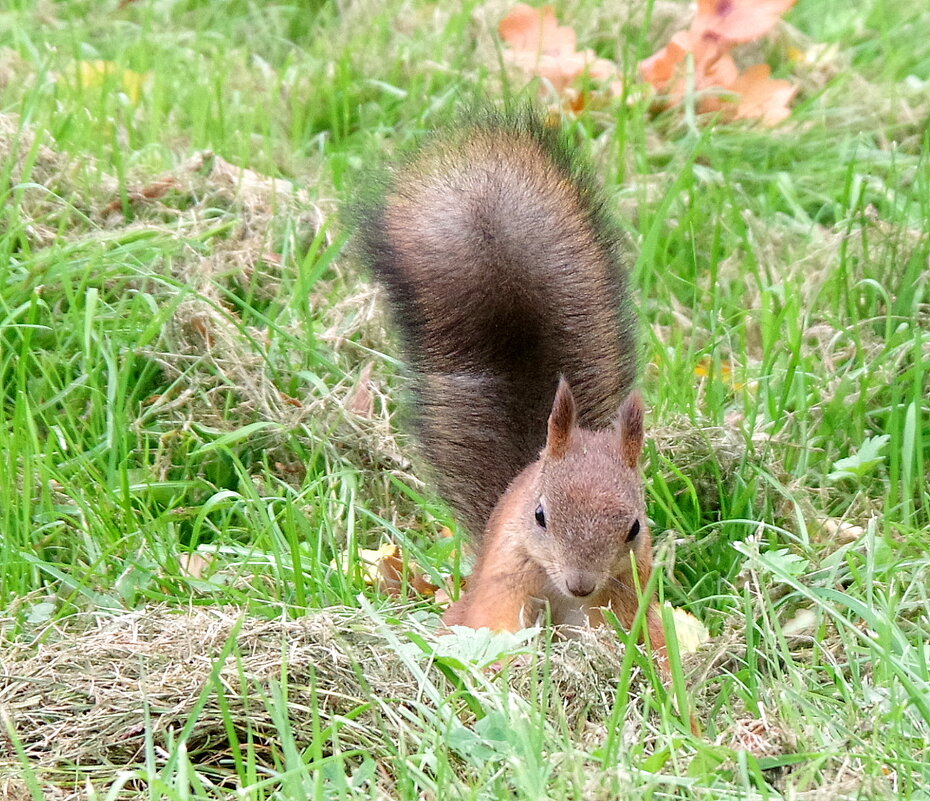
[173, 374]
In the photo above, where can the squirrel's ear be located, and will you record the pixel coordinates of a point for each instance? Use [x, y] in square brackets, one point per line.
[630, 428]
[561, 421]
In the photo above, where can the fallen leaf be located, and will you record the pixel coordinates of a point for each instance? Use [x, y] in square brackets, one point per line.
[153, 191]
[421, 583]
[98, 73]
[705, 368]
[540, 46]
[194, 565]
[664, 65]
[361, 400]
[690, 632]
[717, 67]
[763, 97]
[738, 20]
[537, 31]
[804, 620]
[760, 737]
[841, 530]
[290, 400]
[713, 67]
[250, 186]
[201, 325]
[718, 26]
[385, 570]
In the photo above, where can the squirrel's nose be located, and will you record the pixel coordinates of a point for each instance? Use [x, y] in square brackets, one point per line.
[579, 584]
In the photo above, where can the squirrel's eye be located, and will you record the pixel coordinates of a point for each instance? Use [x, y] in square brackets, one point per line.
[540, 517]
[634, 530]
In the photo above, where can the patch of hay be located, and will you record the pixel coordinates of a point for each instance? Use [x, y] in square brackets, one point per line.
[81, 696]
[47, 185]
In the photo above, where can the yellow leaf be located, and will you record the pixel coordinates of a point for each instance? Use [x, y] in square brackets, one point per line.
[704, 368]
[690, 632]
[384, 569]
[99, 73]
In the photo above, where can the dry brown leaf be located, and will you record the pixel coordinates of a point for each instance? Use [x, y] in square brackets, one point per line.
[290, 400]
[761, 737]
[388, 571]
[422, 584]
[361, 400]
[153, 191]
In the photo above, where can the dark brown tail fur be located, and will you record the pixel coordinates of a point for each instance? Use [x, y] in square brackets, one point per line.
[504, 272]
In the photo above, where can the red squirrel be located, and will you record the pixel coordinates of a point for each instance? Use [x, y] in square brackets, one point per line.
[507, 278]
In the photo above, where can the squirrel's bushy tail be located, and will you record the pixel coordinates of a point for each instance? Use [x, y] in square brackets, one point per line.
[504, 271]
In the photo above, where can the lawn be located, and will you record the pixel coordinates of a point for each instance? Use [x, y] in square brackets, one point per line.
[201, 417]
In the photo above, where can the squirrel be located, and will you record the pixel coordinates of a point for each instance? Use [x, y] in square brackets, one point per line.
[507, 278]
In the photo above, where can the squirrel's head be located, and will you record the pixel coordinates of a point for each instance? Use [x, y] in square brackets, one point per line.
[588, 513]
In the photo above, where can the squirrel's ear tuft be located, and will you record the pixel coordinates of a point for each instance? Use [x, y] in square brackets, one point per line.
[561, 421]
[630, 428]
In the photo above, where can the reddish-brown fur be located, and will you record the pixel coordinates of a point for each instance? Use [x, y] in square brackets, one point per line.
[505, 273]
[588, 485]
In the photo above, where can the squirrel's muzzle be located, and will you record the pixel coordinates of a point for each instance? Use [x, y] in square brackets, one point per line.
[579, 583]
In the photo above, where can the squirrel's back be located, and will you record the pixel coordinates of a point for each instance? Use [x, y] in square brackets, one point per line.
[504, 271]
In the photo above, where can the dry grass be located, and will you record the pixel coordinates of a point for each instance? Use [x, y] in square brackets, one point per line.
[101, 697]
[94, 693]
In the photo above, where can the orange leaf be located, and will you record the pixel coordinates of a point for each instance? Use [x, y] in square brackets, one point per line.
[719, 25]
[389, 572]
[762, 97]
[661, 67]
[717, 68]
[540, 46]
[738, 20]
[536, 31]
[713, 65]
